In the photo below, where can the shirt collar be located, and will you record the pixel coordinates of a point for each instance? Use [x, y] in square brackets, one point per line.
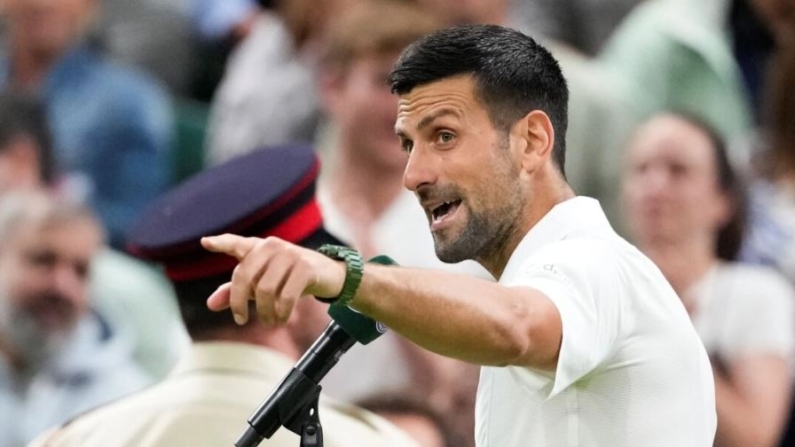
[234, 357]
[561, 221]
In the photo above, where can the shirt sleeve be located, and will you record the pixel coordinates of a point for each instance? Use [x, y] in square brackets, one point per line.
[762, 318]
[582, 281]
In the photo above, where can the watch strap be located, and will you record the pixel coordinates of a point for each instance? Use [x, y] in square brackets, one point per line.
[354, 270]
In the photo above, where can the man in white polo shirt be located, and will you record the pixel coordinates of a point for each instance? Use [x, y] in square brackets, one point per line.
[583, 343]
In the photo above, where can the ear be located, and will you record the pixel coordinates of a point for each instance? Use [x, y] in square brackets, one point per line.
[534, 138]
[332, 83]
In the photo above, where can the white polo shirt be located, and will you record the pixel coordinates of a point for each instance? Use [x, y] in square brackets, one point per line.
[632, 371]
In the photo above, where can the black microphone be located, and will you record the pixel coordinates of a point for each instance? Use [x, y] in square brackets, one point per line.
[298, 391]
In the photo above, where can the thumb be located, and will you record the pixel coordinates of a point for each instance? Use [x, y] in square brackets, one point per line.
[230, 244]
[219, 300]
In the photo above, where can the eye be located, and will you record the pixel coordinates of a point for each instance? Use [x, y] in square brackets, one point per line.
[81, 269]
[445, 137]
[44, 259]
[407, 145]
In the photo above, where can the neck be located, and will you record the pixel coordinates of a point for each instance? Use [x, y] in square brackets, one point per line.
[360, 190]
[682, 263]
[254, 333]
[29, 66]
[538, 207]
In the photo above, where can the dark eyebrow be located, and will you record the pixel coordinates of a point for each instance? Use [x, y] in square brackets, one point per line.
[425, 122]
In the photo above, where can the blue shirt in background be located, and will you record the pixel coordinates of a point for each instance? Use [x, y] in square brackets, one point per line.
[112, 133]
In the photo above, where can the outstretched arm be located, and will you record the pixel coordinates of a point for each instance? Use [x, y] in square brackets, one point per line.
[454, 315]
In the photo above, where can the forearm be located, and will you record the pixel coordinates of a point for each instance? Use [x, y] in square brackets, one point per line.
[461, 317]
[740, 422]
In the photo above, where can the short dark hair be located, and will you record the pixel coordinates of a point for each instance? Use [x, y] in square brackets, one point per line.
[201, 322]
[23, 115]
[513, 74]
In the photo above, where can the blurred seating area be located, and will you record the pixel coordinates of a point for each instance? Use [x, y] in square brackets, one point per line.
[681, 123]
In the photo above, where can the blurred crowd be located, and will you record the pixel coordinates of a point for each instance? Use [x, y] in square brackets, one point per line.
[682, 124]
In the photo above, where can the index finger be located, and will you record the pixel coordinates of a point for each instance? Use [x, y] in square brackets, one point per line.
[231, 244]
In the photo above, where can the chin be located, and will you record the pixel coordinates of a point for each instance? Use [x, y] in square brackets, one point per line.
[450, 253]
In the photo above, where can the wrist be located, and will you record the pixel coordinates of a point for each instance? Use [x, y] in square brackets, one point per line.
[353, 265]
[353, 270]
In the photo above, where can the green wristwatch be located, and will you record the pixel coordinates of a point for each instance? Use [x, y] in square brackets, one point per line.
[354, 269]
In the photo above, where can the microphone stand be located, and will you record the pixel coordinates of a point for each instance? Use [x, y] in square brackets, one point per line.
[294, 404]
[297, 411]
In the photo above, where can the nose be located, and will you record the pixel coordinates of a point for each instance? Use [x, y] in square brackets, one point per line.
[69, 283]
[420, 170]
[657, 181]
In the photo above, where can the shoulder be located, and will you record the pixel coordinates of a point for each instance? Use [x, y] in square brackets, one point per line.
[119, 85]
[754, 285]
[348, 423]
[576, 255]
[98, 422]
[578, 268]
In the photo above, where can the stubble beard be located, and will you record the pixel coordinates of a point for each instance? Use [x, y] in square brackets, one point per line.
[36, 345]
[485, 234]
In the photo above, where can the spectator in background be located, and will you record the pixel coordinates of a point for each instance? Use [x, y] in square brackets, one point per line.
[111, 126]
[758, 28]
[676, 55]
[414, 415]
[220, 26]
[686, 212]
[153, 35]
[57, 357]
[25, 146]
[772, 196]
[364, 203]
[268, 95]
[136, 300]
[583, 24]
[223, 20]
[228, 370]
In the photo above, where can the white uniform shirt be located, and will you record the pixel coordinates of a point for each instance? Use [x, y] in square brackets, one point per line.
[631, 371]
[206, 401]
[744, 310]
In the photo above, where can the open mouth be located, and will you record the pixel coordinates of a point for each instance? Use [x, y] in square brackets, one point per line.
[444, 210]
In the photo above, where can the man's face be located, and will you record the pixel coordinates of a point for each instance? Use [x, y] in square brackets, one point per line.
[48, 26]
[670, 187]
[461, 168]
[364, 111]
[43, 280]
